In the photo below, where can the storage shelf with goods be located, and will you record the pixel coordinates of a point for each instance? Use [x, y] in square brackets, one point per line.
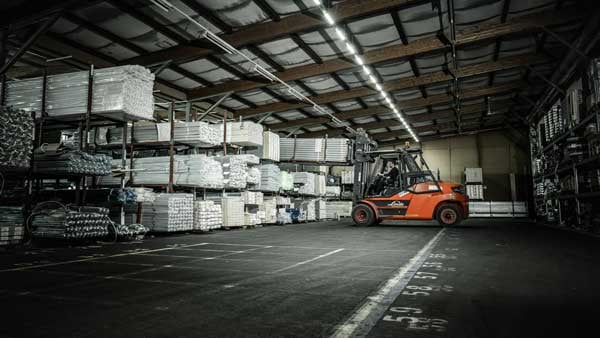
[565, 148]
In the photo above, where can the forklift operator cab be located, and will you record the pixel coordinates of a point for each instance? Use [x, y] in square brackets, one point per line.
[415, 195]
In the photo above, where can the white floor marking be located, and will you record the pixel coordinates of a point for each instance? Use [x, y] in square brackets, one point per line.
[364, 319]
[96, 258]
[303, 247]
[308, 260]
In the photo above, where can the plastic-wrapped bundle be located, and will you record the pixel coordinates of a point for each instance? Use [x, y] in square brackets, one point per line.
[306, 182]
[287, 181]
[270, 147]
[11, 225]
[270, 178]
[244, 133]
[284, 216]
[123, 92]
[308, 207]
[154, 170]
[144, 195]
[314, 149]
[71, 223]
[130, 232]
[200, 171]
[269, 210]
[207, 215]
[170, 213]
[200, 134]
[235, 170]
[335, 209]
[321, 209]
[16, 138]
[72, 162]
[333, 191]
[348, 177]
[282, 200]
[252, 197]
[254, 176]
[251, 218]
[320, 185]
[233, 211]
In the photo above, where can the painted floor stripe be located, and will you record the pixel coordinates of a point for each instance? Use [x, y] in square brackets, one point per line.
[138, 252]
[364, 319]
[308, 261]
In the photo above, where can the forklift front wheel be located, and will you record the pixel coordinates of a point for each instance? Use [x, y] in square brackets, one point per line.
[363, 215]
[448, 215]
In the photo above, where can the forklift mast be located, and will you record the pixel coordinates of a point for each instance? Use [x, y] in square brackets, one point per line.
[368, 160]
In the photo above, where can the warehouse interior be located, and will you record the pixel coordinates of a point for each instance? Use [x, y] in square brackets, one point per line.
[299, 168]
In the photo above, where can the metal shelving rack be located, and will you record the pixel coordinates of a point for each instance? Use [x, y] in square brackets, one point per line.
[566, 217]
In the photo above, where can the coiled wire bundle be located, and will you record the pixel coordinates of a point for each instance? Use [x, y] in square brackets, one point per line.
[16, 138]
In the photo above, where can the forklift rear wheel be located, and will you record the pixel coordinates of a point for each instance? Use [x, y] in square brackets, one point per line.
[448, 215]
[363, 215]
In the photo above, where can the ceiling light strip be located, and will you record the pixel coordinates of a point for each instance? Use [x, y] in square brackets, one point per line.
[365, 69]
[166, 6]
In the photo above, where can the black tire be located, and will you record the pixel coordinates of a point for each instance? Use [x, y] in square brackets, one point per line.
[448, 215]
[363, 215]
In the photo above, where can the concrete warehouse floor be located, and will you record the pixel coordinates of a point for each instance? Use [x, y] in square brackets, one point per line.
[486, 278]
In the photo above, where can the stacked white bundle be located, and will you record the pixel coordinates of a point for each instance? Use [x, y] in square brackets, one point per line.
[281, 200]
[244, 133]
[335, 209]
[306, 182]
[144, 195]
[235, 169]
[207, 215]
[287, 181]
[154, 170]
[321, 209]
[348, 177]
[252, 197]
[333, 191]
[270, 178]
[170, 213]
[254, 176]
[233, 211]
[270, 148]
[320, 185]
[251, 218]
[283, 217]
[269, 210]
[308, 206]
[314, 149]
[199, 171]
[200, 134]
[123, 93]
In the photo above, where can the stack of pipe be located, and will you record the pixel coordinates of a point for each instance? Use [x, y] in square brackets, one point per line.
[207, 215]
[71, 162]
[270, 178]
[11, 225]
[170, 213]
[72, 223]
[314, 149]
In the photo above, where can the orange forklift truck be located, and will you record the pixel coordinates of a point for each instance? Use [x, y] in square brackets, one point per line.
[413, 194]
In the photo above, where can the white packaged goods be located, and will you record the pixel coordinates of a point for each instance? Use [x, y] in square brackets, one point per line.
[252, 197]
[200, 134]
[270, 176]
[16, 138]
[235, 169]
[348, 177]
[333, 191]
[270, 146]
[473, 175]
[308, 206]
[154, 170]
[287, 181]
[306, 182]
[244, 133]
[283, 217]
[199, 171]
[314, 149]
[233, 211]
[251, 218]
[475, 191]
[321, 209]
[335, 209]
[254, 176]
[123, 93]
[170, 213]
[207, 215]
[144, 195]
[320, 185]
[269, 209]
[281, 200]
